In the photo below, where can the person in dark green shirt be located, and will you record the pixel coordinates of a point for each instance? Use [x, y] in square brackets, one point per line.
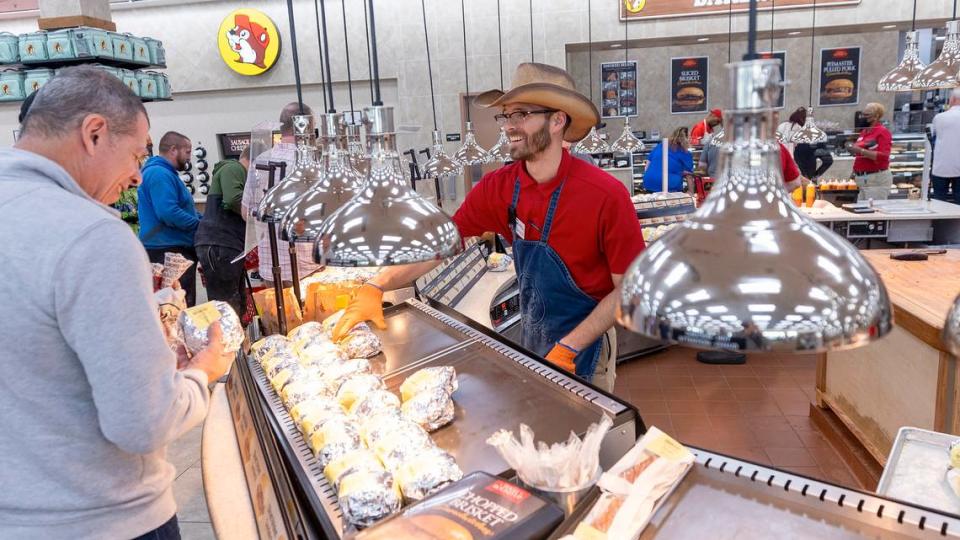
[220, 235]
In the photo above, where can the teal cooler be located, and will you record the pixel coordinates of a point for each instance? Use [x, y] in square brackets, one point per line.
[141, 52]
[122, 48]
[11, 86]
[101, 43]
[36, 78]
[129, 78]
[158, 57]
[111, 70]
[163, 87]
[69, 44]
[9, 48]
[33, 47]
[148, 84]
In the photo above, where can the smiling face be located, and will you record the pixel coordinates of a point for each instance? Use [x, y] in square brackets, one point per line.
[531, 135]
[112, 161]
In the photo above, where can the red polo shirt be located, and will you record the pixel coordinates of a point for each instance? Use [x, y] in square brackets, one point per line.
[698, 131]
[595, 228]
[884, 141]
[787, 165]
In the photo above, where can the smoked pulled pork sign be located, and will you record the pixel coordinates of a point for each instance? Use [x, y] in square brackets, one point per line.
[651, 9]
[839, 76]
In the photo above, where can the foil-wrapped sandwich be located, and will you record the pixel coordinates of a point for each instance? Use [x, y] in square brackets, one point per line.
[307, 389]
[335, 374]
[196, 320]
[269, 345]
[401, 444]
[335, 438]
[319, 351]
[357, 386]
[174, 266]
[277, 360]
[376, 426]
[361, 460]
[374, 402]
[426, 473]
[368, 496]
[305, 331]
[360, 341]
[431, 409]
[313, 413]
[427, 378]
[288, 373]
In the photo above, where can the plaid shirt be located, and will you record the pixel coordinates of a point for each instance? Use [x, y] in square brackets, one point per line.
[253, 192]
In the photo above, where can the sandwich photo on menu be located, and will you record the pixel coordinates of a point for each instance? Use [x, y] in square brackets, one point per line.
[688, 85]
[689, 98]
[839, 76]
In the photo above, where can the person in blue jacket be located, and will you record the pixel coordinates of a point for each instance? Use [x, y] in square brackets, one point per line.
[168, 217]
[679, 164]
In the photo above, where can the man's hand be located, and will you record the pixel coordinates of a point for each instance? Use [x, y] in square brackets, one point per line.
[366, 306]
[562, 356]
[212, 360]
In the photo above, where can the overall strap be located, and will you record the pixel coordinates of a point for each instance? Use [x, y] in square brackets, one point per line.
[548, 222]
[512, 209]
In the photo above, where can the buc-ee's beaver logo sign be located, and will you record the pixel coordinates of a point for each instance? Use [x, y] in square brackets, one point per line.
[249, 42]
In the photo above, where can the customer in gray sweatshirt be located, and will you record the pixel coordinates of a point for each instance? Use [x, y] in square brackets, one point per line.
[90, 394]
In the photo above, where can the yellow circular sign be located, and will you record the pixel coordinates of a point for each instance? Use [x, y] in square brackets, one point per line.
[634, 6]
[249, 42]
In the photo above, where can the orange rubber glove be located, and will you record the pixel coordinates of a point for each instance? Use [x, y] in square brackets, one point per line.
[562, 356]
[366, 306]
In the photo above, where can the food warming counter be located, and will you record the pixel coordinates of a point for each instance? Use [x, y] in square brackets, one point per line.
[501, 386]
[894, 221]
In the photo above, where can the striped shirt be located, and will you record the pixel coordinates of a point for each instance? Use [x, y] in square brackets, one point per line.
[253, 192]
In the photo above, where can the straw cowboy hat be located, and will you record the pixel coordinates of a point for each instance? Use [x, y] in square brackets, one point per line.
[550, 87]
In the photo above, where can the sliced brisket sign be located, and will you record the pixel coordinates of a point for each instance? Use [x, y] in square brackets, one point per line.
[650, 9]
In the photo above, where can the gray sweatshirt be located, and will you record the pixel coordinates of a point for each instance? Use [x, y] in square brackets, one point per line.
[89, 393]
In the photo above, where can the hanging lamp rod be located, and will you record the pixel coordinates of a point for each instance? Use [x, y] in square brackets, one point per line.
[377, 100]
[773, 13]
[752, 32]
[426, 38]
[730, 32]
[500, 43]
[532, 59]
[296, 57]
[590, 45]
[813, 35]
[346, 48]
[326, 58]
[466, 69]
[323, 76]
[366, 35]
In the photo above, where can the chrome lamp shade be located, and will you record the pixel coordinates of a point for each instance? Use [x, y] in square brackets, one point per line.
[951, 329]
[338, 183]
[945, 70]
[627, 143]
[440, 163]
[306, 171]
[471, 153]
[387, 222]
[809, 133]
[900, 78]
[749, 271]
[501, 151]
[593, 143]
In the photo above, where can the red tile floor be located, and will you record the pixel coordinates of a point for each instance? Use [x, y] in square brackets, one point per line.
[757, 411]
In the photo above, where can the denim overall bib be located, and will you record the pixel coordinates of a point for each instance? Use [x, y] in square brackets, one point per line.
[551, 303]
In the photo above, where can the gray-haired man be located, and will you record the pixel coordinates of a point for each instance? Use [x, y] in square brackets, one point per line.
[91, 394]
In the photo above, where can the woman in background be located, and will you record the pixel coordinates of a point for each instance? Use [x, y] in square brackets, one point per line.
[786, 129]
[679, 164]
[871, 167]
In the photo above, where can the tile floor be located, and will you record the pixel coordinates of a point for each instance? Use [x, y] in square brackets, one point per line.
[188, 487]
[757, 411]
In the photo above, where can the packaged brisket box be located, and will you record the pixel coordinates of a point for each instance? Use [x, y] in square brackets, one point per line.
[478, 507]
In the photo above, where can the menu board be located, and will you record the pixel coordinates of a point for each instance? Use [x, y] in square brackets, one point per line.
[782, 57]
[618, 89]
[688, 84]
[839, 76]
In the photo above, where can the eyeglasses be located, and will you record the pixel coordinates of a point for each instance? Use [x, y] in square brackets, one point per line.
[518, 117]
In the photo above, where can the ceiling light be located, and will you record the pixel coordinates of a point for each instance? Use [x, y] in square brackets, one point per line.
[387, 214]
[593, 143]
[616, 45]
[708, 250]
[627, 143]
[794, 33]
[306, 171]
[944, 71]
[900, 78]
[889, 26]
[701, 40]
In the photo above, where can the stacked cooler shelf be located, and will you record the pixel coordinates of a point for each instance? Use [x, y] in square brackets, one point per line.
[30, 60]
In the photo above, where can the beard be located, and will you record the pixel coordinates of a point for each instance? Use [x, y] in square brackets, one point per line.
[532, 145]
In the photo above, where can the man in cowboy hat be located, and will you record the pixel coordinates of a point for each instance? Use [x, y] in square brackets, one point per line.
[573, 227]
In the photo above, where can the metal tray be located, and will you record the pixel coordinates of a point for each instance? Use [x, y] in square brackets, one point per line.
[499, 387]
[916, 470]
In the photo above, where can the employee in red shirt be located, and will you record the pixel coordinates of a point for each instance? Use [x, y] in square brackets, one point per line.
[705, 126]
[871, 166]
[573, 228]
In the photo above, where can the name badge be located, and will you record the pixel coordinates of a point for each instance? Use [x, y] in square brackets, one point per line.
[519, 229]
